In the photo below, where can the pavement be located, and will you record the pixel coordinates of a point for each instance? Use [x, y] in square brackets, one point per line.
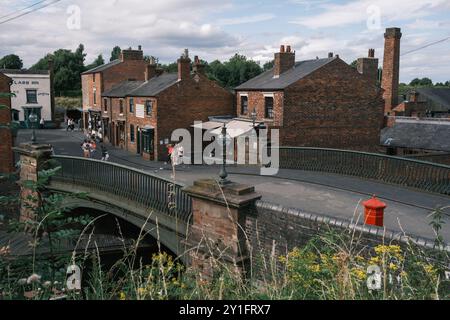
[408, 210]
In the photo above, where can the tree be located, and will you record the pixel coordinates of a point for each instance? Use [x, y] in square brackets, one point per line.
[98, 62]
[233, 72]
[354, 64]
[68, 66]
[426, 82]
[268, 65]
[115, 53]
[11, 61]
[447, 84]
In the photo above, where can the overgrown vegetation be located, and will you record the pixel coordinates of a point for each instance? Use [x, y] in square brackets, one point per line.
[330, 266]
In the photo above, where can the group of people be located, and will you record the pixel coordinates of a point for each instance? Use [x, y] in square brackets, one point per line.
[89, 146]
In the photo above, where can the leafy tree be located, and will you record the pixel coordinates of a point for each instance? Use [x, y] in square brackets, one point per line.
[115, 53]
[171, 67]
[11, 61]
[268, 65]
[447, 84]
[98, 62]
[68, 66]
[354, 64]
[426, 82]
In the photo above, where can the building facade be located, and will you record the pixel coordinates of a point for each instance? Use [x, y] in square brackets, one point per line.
[129, 67]
[316, 103]
[6, 137]
[145, 113]
[32, 94]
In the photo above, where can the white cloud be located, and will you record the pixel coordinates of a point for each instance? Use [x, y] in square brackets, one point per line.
[246, 19]
[357, 11]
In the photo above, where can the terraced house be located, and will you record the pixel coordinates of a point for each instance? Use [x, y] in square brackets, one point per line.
[322, 103]
[144, 113]
[94, 82]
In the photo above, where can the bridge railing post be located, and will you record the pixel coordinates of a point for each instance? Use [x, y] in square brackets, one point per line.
[32, 159]
[217, 235]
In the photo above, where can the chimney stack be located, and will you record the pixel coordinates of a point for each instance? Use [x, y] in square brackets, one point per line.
[391, 68]
[284, 60]
[199, 67]
[330, 55]
[150, 69]
[130, 54]
[368, 67]
[184, 66]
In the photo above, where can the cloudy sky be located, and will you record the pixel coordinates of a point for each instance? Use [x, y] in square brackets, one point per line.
[216, 29]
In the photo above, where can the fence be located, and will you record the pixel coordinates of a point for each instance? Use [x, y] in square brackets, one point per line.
[128, 183]
[422, 175]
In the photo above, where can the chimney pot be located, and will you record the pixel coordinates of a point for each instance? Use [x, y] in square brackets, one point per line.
[284, 61]
[282, 49]
[371, 53]
[330, 55]
[140, 48]
[288, 49]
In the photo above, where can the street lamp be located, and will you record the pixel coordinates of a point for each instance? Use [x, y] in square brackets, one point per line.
[225, 140]
[33, 118]
[253, 115]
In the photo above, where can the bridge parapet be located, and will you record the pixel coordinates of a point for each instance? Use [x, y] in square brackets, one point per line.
[422, 175]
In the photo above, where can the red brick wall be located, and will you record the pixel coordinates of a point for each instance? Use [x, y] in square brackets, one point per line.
[334, 107]
[128, 69]
[391, 68]
[256, 102]
[6, 144]
[188, 101]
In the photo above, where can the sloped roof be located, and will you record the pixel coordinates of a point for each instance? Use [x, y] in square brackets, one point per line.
[425, 135]
[103, 67]
[24, 71]
[155, 85]
[440, 96]
[122, 89]
[266, 80]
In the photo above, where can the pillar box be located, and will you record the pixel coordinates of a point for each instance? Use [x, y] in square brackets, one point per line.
[217, 234]
[32, 159]
[374, 212]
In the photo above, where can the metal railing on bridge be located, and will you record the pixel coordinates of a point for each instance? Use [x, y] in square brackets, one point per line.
[124, 182]
[422, 175]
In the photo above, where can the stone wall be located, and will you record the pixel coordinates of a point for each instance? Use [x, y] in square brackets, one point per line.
[270, 226]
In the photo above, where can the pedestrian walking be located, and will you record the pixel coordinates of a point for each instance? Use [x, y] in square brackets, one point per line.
[105, 154]
[86, 149]
[169, 152]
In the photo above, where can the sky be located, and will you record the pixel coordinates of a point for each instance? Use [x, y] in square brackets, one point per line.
[217, 29]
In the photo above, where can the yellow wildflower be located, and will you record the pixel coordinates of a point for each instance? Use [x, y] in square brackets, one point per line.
[122, 296]
[393, 266]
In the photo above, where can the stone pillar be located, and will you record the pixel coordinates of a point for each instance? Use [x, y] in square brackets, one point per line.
[218, 230]
[32, 159]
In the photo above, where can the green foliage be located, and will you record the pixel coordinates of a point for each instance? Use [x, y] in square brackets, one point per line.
[424, 82]
[115, 53]
[98, 62]
[68, 66]
[233, 72]
[11, 61]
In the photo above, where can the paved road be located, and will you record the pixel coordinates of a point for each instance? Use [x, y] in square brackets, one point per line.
[322, 193]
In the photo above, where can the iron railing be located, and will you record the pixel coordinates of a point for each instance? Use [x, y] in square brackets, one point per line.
[128, 183]
[422, 175]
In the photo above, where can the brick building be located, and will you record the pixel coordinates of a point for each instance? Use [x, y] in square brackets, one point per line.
[425, 102]
[317, 103]
[94, 82]
[6, 137]
[144, 113]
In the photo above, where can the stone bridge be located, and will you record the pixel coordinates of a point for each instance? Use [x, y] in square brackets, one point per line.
[207, 219]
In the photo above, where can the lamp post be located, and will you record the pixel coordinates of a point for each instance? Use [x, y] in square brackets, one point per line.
[225, 139]
[253, 115]
[33, 120]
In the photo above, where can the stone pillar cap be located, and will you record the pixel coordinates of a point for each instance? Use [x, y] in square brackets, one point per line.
[237, 195]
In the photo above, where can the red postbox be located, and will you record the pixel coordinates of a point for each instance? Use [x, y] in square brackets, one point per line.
[374, 212]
